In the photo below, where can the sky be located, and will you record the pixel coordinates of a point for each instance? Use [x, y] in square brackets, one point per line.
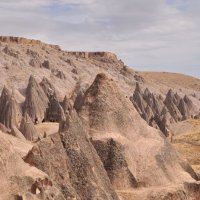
[150, 35]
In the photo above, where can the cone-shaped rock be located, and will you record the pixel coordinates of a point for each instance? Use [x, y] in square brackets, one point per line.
[48, 88]
[10, 110]
[178, 98]
[171, 97]
[78, 100]
[54, 111]
[147, 93]
[28, 129]
[66, 105]
[171, 104]
[191, 106]
[36, 101]
[165, 112]
[138, 100]
[5, 96]
[146, 155]
[183, 107]
[149, 113]
[157, 104]
[138, 88]
[164, 120]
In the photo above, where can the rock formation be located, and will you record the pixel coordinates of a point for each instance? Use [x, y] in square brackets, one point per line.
[5, 96]
[104, 150]
[111, 154]
[28, 129]
[71, 161]
[46, 64]
[78, 100]
[20, 181]
[66, 105]
[36, 101]
[113, 124]
[48, 88]
[189, 103]
[60, 75]
[160, 113]
[10, 111]
[184, 109]
[54, 111]
[171, 102]
[138, 100]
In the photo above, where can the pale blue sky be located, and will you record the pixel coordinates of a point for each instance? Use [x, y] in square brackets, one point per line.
[158, 35]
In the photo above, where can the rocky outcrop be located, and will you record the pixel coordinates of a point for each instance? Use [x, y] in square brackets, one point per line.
[48, 88]
[11, 52]
[46, 64]
[150, 107]
[184, 109]
[111, 154]
[28, 129]
[10, 111]
[138, 101]
[36, 101]
[34, 63]
[20, 181]
[72, 162]
[160, 113]
[78, 100]
[105, 55]
[172, 102]
[60, 75]
[189, 104]
[66, 105]
[109, 118]
[54, 111]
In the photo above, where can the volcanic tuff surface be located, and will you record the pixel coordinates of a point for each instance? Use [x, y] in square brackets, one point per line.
[161, 113]
[71, 126]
